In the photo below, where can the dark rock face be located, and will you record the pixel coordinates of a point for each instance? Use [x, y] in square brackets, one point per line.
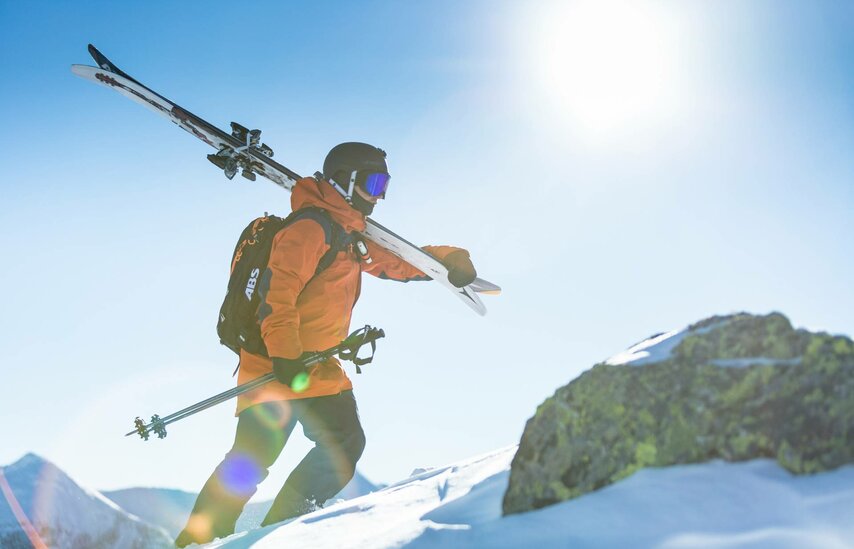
[734, 388]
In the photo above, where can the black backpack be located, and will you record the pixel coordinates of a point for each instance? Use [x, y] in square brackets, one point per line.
[238, 326]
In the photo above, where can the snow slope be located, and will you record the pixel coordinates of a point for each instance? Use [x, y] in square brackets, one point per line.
[716, 504]
[170, 509]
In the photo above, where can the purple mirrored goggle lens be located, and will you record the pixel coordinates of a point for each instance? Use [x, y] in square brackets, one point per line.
[376, 183]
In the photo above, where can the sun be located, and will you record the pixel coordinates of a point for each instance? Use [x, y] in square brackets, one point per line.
[605, 66]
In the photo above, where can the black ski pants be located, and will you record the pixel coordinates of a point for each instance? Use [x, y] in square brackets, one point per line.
[331, 422]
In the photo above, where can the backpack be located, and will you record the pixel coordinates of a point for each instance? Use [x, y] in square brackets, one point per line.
[238, 326]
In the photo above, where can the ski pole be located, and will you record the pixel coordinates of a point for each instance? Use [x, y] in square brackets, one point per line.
[157, 423]
[346, 350]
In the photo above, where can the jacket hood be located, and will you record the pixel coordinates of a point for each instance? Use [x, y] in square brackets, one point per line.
[308, 191]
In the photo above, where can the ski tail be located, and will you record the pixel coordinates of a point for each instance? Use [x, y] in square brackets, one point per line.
[470, 298]
[482, 286]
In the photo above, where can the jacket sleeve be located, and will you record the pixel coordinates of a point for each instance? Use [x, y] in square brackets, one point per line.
[296, 251]
[388, 266]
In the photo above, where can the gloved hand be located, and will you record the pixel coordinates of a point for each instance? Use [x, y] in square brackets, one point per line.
[460, 268]
[286, 369]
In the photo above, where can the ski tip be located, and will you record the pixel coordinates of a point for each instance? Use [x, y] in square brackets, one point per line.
[100, 59]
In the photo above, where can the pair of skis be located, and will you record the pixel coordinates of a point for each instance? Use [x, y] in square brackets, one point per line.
[241, 151]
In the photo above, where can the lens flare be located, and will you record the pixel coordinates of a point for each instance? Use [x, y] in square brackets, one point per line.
[300, 382]
[20, 515]
[199, 526]
[240, 475]
[274, 415]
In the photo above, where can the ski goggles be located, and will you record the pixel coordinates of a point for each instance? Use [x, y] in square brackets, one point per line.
[375, 184]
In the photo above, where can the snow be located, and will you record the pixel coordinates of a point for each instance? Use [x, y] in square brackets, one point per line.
[716, 504]
[659, 347]
[170, 509]
[72, 516]
[654, 349]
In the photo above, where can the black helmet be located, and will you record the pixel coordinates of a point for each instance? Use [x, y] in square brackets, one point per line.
[350, 163]
[346, 158]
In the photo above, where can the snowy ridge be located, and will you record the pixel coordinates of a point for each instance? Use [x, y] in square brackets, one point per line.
[170, 509]
[659, 347]
[653, 349]
[65, 514]
[716, 504]
[397, 514]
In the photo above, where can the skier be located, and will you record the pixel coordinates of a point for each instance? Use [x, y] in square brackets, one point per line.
[303, 311]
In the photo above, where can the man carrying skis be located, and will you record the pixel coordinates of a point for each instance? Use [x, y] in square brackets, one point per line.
[305, 309]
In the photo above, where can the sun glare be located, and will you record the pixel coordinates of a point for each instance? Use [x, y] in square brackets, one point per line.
[608, 66]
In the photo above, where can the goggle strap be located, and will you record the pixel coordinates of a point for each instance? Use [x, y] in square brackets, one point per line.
[319, 176]
[352, 184]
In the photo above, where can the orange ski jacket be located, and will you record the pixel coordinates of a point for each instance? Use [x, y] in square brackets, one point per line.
[302, 312]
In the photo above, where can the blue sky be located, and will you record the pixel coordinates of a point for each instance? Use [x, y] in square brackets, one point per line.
[620, 168]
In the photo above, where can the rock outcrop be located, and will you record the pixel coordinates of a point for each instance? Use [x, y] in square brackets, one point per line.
[735, 388]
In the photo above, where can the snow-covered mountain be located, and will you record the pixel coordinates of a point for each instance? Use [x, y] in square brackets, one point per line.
[716, 504]
[40, 504]
[169, 509]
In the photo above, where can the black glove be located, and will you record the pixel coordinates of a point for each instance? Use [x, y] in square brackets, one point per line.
[460, 268]
[286, 369]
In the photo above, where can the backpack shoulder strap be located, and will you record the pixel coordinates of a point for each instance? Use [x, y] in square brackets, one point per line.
[334, 234]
